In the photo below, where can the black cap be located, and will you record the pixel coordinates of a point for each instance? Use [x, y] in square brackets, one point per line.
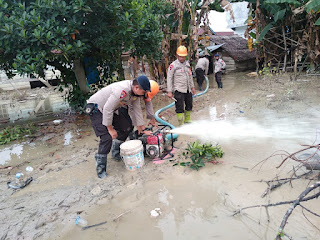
[144, 82]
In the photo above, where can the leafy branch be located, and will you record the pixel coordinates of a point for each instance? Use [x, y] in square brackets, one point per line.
[200, 154]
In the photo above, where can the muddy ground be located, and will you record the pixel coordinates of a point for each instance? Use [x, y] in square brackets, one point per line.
[194, 204]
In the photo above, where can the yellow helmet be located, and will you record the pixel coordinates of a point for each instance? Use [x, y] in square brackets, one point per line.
[154, 89]
[182, 51]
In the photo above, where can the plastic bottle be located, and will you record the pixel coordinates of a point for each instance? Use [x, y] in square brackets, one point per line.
[29, 169]
[19, 178]
[81, 222]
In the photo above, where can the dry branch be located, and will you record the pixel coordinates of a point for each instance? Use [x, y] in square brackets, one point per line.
[292, 156]
[282, 203]
[284, 181]
[296, 203]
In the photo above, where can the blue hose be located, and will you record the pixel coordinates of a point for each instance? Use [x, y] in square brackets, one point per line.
[174, 136]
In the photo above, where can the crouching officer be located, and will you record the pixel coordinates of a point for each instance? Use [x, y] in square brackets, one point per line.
[113, 111]
[127, 123]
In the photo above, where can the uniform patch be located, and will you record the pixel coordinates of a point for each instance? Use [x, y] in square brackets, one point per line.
[123, 94]
[190, 73]
[171, 67]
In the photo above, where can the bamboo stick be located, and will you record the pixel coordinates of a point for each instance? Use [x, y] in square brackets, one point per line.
[274, 44]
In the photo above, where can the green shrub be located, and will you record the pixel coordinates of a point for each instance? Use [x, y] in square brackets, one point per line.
[14, 133]
[200, 154]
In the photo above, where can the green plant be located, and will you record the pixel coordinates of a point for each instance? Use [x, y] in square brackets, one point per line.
[37, 35]
[200, 154]
[268, 70]
[14, 133]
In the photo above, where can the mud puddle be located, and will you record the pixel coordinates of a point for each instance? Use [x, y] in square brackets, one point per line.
[193, 204]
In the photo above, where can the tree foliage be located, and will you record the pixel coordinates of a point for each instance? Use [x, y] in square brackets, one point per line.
[35, 34]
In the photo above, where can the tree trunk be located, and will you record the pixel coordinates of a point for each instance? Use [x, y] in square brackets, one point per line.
[120, 68]
[78, 69]
[180, 17]
[259, 46]
[151, 69]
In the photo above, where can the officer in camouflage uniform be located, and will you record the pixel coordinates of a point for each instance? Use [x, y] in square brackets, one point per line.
[180, 85]
[114, 110]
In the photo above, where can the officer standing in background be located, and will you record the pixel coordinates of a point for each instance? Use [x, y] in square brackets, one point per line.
[202, 69]
[180, 85]
[114, 110]
[219, 64]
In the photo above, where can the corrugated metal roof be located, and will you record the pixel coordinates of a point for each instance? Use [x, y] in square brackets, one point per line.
[210, 49]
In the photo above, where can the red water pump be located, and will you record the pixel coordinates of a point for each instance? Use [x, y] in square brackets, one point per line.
[156, 145]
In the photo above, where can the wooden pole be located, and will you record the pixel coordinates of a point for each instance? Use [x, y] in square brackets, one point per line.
[285, 49]
[295, 63]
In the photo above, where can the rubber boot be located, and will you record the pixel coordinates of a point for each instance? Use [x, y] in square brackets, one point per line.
[115, 149]
[180, 117]
[101, 163]
[187, 117]
[220, 84]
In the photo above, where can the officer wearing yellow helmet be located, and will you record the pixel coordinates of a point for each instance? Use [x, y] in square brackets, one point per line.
[180, 85]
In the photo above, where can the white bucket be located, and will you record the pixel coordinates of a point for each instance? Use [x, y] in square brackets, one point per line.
[132, 154]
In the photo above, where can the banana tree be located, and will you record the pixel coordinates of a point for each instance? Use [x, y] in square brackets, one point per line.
[291, 20]
[184, 23]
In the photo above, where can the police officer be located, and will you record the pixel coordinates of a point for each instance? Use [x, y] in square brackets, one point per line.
[202, 69]
[114, 110]
[219, 64]
[180, 85]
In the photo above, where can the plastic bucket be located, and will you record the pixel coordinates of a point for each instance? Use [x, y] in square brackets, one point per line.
[132, 154]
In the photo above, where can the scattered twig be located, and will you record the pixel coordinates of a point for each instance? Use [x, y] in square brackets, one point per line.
[274, 186]
[12, 167]
[308, 210]
[94, 225]
[272, 155]
[290, 238]
[278, 203]
[292, 156]
[63, 200]
[268, 215]
[5, 167]
[294, 204]
[244, 168]
[308, 218]
[121, 215]
[4, 236]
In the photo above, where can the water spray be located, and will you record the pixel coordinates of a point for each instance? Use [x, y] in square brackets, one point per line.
[170, 135]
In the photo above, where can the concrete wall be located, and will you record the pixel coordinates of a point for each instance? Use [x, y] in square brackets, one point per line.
[32, 107]
[237, 66]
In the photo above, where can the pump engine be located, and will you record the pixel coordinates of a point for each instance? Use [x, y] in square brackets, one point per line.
[156, 145]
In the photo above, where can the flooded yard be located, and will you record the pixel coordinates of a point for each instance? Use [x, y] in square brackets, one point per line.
[250, 118]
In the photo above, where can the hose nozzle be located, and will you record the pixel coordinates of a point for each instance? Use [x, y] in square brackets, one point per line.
[167, 131]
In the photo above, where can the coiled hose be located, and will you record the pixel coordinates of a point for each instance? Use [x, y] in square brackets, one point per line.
[160, 120]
